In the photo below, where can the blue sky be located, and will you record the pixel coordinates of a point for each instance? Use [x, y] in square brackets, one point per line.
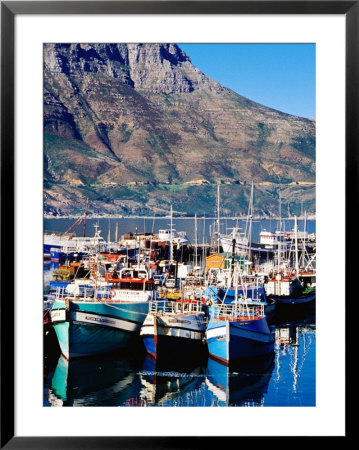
[281, 76]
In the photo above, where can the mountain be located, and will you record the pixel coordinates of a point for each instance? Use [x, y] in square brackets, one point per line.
[136, 127]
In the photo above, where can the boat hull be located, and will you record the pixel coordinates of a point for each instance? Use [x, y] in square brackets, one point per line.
[174, 334]
[57, 255]
[242, 248]
[292, 300]
[92, 328]
[230, 341]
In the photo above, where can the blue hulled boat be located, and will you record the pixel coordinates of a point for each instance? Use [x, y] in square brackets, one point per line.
[251, 286]
[238, 329]
[92, 318]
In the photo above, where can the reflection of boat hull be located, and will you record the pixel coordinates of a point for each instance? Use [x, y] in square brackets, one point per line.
[229, 341]
[164, 382]
[241, 383]
[92, 328]
[94, 381]
[165, 345]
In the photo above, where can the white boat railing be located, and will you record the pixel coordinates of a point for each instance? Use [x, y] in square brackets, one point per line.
[239, 311]
[175, 307]
[84, 292]
[60, 293]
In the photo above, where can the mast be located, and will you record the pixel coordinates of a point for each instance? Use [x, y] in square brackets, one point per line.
[116, 232]
[235, 290]
[304, 238]
[233, 252]
[249, 223]
[153, 223]
[195, 240]
[296, 246]
[171, 243]
[251, 218]
[137, 253]
[218, 217]
[85, 218]
[203, 247]
[280, 231]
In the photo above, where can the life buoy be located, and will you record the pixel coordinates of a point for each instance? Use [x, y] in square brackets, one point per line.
[112, 293]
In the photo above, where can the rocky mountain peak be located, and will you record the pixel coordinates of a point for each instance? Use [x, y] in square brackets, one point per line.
[131, 64]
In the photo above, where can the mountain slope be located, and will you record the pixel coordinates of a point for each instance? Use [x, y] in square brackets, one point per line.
[136, 127]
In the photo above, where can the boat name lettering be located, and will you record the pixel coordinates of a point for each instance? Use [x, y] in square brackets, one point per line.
[179, 321]
[99, 319]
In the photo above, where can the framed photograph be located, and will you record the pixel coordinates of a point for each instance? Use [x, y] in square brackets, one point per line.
[174, 176]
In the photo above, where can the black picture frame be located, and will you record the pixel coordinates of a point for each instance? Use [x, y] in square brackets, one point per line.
[9, 9]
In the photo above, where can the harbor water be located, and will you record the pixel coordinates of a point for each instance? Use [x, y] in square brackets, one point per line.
[205, 226]
[284, 378]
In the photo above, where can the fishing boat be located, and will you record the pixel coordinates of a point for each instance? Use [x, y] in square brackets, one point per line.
[243, 239]
[56, 242]
[175, 327]
[287, 289]
[291, 285]
[93, 317]
[172, 238]
[238, 329]
[250, 286]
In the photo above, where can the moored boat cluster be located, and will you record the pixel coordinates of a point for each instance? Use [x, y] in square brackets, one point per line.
[104, 296]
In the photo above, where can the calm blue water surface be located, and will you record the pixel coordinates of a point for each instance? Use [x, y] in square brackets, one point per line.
[285, 378]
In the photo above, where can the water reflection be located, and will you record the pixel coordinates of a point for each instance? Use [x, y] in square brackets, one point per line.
[105, 381]
[171, 383]
[242, 384]
[284, 378]
[295, 359]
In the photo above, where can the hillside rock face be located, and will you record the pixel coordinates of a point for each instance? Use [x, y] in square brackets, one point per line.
[136, 127]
